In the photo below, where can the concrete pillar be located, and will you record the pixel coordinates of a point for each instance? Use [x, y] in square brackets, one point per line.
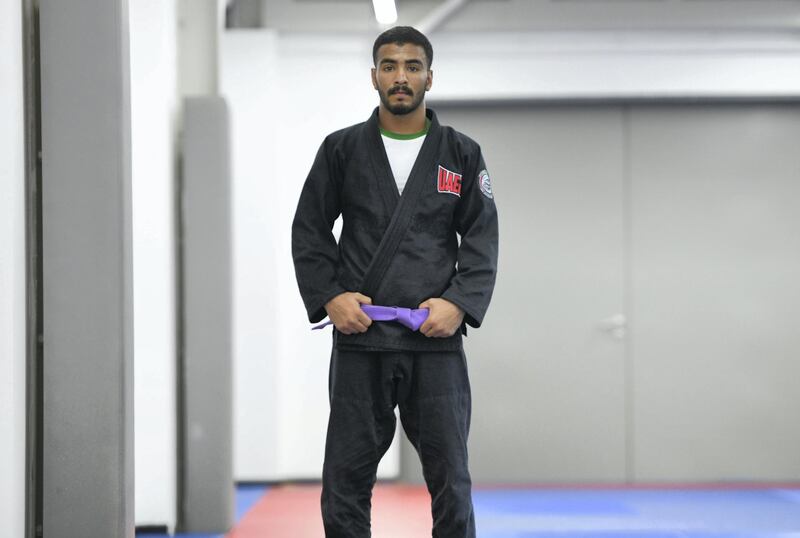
[87, 467]
[206, 488]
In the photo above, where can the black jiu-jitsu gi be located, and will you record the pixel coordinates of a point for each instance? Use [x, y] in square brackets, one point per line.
[400, 251]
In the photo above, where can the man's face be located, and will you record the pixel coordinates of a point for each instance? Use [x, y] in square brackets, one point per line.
[401, 77]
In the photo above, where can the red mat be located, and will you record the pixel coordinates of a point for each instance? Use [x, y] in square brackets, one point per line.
[398, 511]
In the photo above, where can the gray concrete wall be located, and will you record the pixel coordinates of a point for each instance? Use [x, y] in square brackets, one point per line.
[86, 212]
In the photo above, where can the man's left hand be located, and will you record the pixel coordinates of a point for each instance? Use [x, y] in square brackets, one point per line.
[444, 318]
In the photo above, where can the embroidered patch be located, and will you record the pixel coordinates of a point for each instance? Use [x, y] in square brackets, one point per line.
[449, 181]
[485, 183]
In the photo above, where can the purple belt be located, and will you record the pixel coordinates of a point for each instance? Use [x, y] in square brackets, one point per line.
[410, 317]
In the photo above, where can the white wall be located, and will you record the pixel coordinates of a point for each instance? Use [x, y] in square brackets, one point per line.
[279, 115]
[12, 273]
[254, 267]
[153, 34]
[199, 23]
[602, 64]
[287, 91]
[477, 16]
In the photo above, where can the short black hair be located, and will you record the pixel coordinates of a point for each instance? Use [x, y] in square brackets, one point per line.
[401, 35]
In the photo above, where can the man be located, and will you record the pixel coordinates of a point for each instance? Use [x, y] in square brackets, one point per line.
[406, 187]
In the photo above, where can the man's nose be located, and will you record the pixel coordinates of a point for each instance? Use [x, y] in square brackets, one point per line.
[400, 76]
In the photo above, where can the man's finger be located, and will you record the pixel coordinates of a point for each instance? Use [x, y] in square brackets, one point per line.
[433, 330]
[363, 299]
[424, 304]
[364, 318]
[425, 327]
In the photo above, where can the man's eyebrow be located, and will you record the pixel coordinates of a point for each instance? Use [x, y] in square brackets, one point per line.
[391, 61]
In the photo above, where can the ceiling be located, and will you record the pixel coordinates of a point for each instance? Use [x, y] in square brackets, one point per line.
[523, 15]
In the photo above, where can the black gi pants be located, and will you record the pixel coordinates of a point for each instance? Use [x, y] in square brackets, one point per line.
[433, 393]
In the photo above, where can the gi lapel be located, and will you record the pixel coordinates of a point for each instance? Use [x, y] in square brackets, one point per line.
[401, 207]
[381, 169]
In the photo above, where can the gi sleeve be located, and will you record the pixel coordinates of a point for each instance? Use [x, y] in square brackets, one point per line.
[476, 222]
[314, 249]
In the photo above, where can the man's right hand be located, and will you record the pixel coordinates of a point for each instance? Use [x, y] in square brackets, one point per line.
[346, 314]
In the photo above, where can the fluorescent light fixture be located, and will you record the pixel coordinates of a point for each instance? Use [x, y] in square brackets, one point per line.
[385, 11]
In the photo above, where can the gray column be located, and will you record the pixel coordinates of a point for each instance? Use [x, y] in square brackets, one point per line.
[87, 467]
[206, 491]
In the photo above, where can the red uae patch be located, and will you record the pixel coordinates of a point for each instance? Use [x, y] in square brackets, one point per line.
[449, 181]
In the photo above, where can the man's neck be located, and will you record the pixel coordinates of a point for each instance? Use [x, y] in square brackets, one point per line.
[411, 123]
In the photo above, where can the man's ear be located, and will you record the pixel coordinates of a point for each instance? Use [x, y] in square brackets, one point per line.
[430, 80]
[374, 80]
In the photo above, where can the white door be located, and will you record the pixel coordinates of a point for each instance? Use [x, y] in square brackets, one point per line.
[716, 291]
[646, 320]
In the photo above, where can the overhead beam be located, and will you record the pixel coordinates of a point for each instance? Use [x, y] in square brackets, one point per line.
[438, 15]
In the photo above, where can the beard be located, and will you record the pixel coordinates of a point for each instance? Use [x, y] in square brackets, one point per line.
[401, 109]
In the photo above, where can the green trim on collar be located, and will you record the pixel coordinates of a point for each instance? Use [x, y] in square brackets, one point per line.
[398, 136]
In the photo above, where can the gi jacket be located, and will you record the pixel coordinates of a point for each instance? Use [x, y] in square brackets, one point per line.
[398, 250]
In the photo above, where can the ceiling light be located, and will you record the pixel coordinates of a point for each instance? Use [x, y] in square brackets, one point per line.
[385, 11]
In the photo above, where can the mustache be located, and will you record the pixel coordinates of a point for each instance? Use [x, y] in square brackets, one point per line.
[404, 89]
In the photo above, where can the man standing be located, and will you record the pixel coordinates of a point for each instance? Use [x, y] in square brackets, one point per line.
[407, 188]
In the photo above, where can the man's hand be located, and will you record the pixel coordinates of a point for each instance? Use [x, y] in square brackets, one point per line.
[444, 318]
[346, 314]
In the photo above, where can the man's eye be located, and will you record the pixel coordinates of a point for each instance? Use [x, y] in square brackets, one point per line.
[413, 68]
[387, 67]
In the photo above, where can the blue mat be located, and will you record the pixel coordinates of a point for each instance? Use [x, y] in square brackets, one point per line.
[556, 513]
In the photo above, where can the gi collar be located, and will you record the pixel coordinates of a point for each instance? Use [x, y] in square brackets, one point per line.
[373, 125]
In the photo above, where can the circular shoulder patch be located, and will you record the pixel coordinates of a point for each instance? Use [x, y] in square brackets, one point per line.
[485, 183]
